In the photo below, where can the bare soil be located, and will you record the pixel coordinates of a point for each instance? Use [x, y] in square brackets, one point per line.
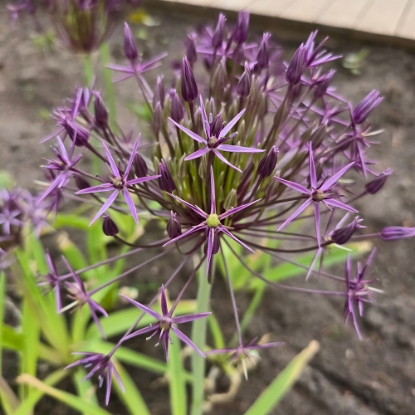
[348, 376]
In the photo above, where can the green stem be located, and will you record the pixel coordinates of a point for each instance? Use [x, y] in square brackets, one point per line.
[199, 329]
[109, 87]
[88, 69]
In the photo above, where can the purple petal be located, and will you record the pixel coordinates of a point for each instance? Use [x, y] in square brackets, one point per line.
[234, 210]
[118, 379]
[212, 192]
[130, 203]
[230, 124]
[96, 319]
[205, 121]
[141, 331]
[333, 180]
[303, 207]
[199, 153]
[191, 134]
[338, 204]
[105, 187]
[313, 175]
[186, 340]
[187, 233]
[221, 157]
[105, 206]
[111, 161]
[109, 384]
[209, 251]
[298, 187]
[130, 161]
[142, 179]
[317, 222]
[190, 206]
[164, 308]
[54, 134]
[144, 308]
[62, 150]
[226, 232]
[189, 317]
[238, 149]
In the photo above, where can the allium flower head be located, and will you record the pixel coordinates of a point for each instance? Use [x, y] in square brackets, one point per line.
[166, 323]
[100, 365]
[118, 183]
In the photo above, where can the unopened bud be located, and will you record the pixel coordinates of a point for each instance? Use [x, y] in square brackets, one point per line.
[157, 121]
[191, 53]
[189, 87]
[321, 87]
[217, 125]
[140, 166]
[101, 112]
[267, 165]
[296, 67]
[219, 32]
[109, 227]
[174, 229]
[177, 107]
[165, 180]
[130, 47]
[263, 53]
[342, 235]
[378, 182]
[159, 94]
[244, 85]
[241, 30]
[366, 106]
[394, 233]
[231, 200]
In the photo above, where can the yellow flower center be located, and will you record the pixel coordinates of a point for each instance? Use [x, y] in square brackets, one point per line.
[213, 221]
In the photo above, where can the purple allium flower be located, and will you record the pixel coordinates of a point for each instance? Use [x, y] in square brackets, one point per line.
[323, 193]
[378, 182]
[118, 183]
[211, 223]
[322, 84]
[262, 59]
[177, 107]
[62, 165]
[189, 86]
[166, 323]
[394, 233]
[130, 47]
[241, 353]
[316, 55]
[101, 112]
[174, 229]
[52, 281]
[244, 85]
[140, 166]
[219, 33]
[9, 218]
[191, 53]
[78, 293]
[215, 143]
[358, 291]
[366, 106]
[102, 366]
[240, 33]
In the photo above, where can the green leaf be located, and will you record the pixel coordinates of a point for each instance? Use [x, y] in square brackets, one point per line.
[218, 340]
[120, 321]
[71, 221]
[177, 382]
[26, 407]
[69, 399]
[270, 397]
[8, 399]
[131, 398]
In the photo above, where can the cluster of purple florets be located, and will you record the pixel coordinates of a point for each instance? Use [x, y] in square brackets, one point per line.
[255, 150]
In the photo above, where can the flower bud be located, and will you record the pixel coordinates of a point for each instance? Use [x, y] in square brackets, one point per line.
[174, 229]
[217, 125]
[177, 107]
[191, 53]
[296, 67]
[189, 87]
[393, 233]
[140, 166]
[130, 47]
[219, 78]
[244, 85]
[219, 32]
[241, 30]
[323, 83]
[157, 121]
[342, 235]
[317, 136]
[267, 165]
[109, 227]
[378, 182]
[165, 180]
[81, 182]
[262, 59]
[366, 106]
[101, 112]
[159, 94]
[77, 134]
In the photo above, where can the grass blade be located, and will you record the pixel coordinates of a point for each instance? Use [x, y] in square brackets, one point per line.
[270, 397]
[177, 382]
